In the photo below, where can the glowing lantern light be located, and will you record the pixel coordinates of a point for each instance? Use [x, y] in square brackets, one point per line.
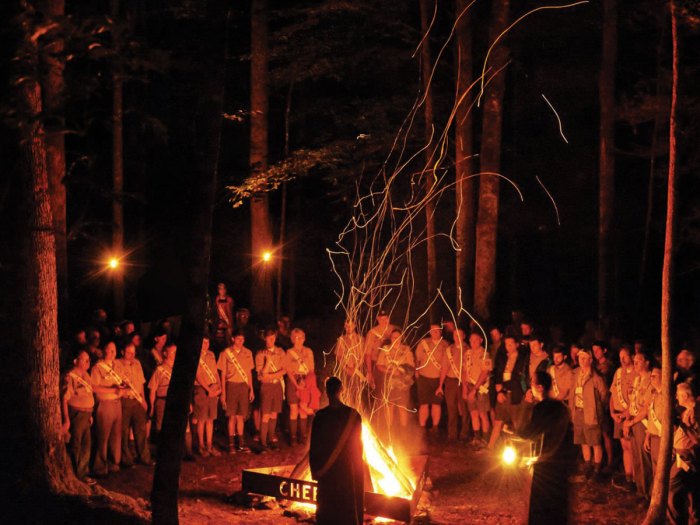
[509, 455]
[113, 263]
[267, 256]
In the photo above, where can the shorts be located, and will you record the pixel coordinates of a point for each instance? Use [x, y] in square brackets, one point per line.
[590, 435]
[481, 402]
[205, 407]
[237, 399]
[617, 431]
[426, 390]
[292, 395]
[271, 398]
[399, 396]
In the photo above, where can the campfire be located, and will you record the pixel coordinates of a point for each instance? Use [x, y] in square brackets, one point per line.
[393, 490]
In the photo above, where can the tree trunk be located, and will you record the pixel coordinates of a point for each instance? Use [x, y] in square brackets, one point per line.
[464, 165]
[117, 169]
[47, 469]
[656, 513]
[260, 224]
[489, 185]
[205, 93]
[52, 90]
[606, 168]
[429, 174]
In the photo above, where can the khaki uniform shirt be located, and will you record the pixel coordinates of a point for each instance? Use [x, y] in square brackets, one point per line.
[640, 396]
[270, 361]
[295, 358]
[621, 388]
[429, 356]
[349, 351]
[392, 359]
[535, 362]
[77, 390]
[561, 381]
[474, 363]
[101, 376]
[654, 425]
[160, 380]
[133, 373]
[588, 393]
[228, 367]
[374, 340]
[206, 370]
[452, 361]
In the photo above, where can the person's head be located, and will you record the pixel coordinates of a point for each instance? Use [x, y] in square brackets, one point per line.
[99, 316]
[383, 318]
[435, 331]
[656, 377]
[449, 327]
[641, 362]
[395, 337]
[516, 316]
[270, 336]
[685, 360]
[82, 361]
[459, 335]
[496, 335]
[205, 344]
[685, 395]
[559, 355]
[129, 353]
[135, 339]
[110, 351]
[94, 338]
[541, 385]
[80, 337]
[283, 323]
[625, 355]
[333, 388]
[349, 326]
[573, 351]
[298, 337]
[639, 346]
[238, 338]
[475, 340]
[221, 289]
[242, 316]
[160, 339]
[536, 345]
[526, 328]
[169, 353]
[585, 359]
[128, 327]
[511, 344]
[599, 349]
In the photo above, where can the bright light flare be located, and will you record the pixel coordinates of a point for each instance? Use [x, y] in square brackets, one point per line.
[113, 263]
[267, 256]
[509, 455]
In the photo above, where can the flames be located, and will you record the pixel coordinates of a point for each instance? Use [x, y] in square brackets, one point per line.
[387, 475]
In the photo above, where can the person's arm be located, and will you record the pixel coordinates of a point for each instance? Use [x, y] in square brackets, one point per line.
[443, 374]
[221, 368]
[64, 405]
[251, 392]
[153, 387]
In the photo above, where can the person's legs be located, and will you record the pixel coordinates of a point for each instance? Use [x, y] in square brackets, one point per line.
[423, 412]
[115, 433]
[127, 421]
[293, 422]
[435, 414]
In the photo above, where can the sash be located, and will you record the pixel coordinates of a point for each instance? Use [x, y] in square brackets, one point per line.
[238, 366]
[167, 373]
[212, 377]
[303, 369]
[555, 386]
[653, 418]
[222, 312]
[82, 381]
[453, 366]
[120, 381]
[618, 388]
[431, 353]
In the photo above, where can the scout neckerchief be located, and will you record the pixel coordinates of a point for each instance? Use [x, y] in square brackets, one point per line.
[652, 416]
[234, 361]
[431, 353]
[303, 369]
[555, 385]
[82, 381]
[618, 388]
[451, 360]
[207, 370]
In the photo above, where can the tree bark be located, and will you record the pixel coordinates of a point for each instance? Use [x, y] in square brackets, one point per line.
[489, 185]
[606, 167]
[52, 86]
[48, 469]
[260, 224]
[429, 174]
[117, 166]
[204, 85]
[656, 513]
[464, 165]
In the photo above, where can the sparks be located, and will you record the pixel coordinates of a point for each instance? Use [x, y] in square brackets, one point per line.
[561, 131]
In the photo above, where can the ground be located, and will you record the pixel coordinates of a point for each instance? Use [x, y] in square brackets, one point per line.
[465, 487]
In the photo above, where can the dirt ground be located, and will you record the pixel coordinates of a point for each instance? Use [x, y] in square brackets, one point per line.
[465, 486]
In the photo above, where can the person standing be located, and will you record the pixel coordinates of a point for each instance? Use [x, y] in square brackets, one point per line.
[134, 408]
[207, 389]
[235, 366]
[109, 388]
[223, 316]
[654, 427]
[586, 403]
[349, 354]
[398, 366]
[300, 370]
[620, 390]
[271, 365]
[77, 404]
[429, 355]
[335, 459]
[475, 387]
[376, 337]
[561, 373]
[449, 386]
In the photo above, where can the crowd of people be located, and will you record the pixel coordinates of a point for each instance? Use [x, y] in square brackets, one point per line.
[246, 378]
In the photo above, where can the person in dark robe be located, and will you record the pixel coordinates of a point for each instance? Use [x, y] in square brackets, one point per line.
[549, 495]
[335, 458]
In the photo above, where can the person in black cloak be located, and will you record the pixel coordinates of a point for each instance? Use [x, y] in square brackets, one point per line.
[335, 458]
[549, 496]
